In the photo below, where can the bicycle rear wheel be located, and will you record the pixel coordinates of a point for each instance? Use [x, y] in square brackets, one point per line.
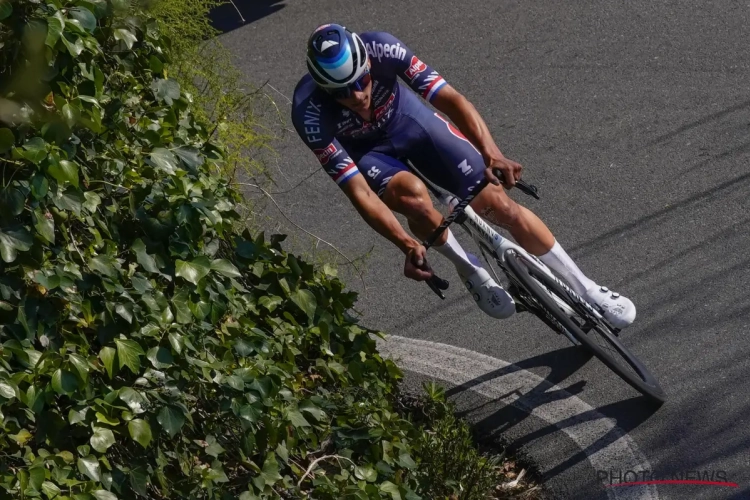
[592, 333]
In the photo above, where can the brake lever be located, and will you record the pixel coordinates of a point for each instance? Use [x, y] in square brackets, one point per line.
[529, 189]
[435, 285]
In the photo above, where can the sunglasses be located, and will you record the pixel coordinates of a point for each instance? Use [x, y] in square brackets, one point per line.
[346, 92]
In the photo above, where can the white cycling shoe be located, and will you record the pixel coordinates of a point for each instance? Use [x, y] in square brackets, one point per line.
[489, 296]
[618, 310]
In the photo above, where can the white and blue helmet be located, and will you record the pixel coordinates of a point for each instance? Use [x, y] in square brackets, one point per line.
[336, 57]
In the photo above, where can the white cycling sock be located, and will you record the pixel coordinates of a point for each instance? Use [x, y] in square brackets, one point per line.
[560, 262]
[452, 251]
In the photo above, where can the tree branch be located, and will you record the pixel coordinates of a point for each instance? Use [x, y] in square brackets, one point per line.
[314, 462]
[238, 11]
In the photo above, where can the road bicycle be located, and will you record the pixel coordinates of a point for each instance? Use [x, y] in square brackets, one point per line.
[538, 290]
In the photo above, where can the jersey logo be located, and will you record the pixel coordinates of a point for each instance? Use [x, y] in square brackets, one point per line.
[373, 172]
[312, 121]
[326, 153]
[380, 50]
[380, 110]
[415, 67]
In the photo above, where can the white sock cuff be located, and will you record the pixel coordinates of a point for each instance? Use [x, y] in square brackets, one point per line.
[560, 262]
[453, 250]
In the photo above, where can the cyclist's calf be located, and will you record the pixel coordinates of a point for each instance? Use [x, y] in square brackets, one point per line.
[525, 227]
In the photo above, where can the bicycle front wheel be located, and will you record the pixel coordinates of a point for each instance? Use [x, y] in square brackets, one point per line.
[591, 332]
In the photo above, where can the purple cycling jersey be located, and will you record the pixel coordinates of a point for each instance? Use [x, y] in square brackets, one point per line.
[330, 129]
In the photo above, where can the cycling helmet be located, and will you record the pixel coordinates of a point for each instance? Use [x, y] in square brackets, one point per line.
[336, 57]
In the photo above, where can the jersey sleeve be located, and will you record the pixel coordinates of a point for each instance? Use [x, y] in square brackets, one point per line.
[315, 131]
[422, 79]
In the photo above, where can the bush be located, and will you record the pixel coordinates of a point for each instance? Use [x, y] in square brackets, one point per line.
[150, 346]
[221, 94]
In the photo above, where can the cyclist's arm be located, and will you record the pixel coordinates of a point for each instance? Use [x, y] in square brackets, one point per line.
[428, 83]
[466, 117]
[344, 172]
[377, 215]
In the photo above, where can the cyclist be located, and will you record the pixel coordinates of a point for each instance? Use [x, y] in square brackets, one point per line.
[354, 114]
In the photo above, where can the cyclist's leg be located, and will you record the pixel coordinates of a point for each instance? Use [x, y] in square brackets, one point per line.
[405, 193]
[401, 191]
[448, 158]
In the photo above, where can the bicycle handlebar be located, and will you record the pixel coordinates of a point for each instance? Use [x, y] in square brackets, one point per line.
[435, 283]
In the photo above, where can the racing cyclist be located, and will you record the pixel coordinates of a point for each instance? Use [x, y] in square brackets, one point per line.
[352, 111]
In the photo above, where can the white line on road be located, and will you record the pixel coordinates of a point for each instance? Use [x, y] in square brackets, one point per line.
[525, 391]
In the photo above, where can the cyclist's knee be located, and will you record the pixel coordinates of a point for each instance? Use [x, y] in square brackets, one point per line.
[408, 195]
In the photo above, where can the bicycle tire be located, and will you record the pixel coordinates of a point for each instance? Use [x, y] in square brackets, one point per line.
[532, 279]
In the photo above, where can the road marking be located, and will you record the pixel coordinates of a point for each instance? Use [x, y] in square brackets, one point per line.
[525, 391]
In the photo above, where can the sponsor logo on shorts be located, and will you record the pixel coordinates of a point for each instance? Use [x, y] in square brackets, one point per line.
[384, 185]
[465, 167]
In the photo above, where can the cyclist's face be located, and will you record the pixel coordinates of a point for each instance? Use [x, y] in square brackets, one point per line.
[360, 99]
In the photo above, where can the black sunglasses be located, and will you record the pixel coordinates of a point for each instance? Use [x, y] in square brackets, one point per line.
[346, 92]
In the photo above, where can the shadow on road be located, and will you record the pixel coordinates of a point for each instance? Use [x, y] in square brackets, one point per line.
[740, 495]
[596, 243]
[226, 17]
[627, 414]
[697, 123]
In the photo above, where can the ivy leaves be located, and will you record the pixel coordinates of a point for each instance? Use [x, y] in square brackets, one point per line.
[139, 319]
[13, 241]
[197, 269]
[166, 89]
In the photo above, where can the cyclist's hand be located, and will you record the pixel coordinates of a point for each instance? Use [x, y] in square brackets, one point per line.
[511, 171]
[416, 266]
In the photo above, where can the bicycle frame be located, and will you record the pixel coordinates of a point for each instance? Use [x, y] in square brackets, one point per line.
[498, 246]
[490, 239]
[541, 292]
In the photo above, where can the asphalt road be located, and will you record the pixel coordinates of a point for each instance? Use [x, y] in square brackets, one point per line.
[633, 119]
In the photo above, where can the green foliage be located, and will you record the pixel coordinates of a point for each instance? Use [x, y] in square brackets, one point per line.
[448, 452]
[149, 347]
[221, 95]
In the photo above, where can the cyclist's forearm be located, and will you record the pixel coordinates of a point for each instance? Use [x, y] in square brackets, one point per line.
[379, 217]
[469, 122]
